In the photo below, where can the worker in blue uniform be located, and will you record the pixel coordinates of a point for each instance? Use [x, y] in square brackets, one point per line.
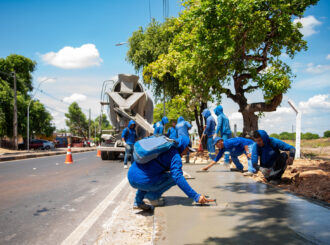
[236, 147]
[155, 177]
[273, 162]
[209, 132]
[172, 132]
[129, 137]
[160, 126]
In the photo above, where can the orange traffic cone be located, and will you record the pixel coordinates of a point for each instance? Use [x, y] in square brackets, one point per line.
[98, 154]
[68, 158]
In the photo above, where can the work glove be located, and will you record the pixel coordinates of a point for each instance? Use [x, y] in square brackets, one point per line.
[124, 144]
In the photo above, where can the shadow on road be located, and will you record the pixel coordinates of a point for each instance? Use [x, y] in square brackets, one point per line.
[261, 221]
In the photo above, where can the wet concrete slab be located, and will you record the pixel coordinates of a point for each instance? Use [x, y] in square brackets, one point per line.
[246, 212]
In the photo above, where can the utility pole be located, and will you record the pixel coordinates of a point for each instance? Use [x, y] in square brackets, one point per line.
[15, 112]
[89, 125]
[164, 100]
[165, 15]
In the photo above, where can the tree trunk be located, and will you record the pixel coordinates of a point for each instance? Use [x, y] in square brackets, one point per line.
[200, 121]
[250, 123]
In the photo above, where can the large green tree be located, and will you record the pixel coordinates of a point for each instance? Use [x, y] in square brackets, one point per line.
[76, 120]
[40, 118]
[234, 48]
[147, 46]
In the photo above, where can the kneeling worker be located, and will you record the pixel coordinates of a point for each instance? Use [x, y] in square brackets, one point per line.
[236, 147]
[272, 162]
[152, 179]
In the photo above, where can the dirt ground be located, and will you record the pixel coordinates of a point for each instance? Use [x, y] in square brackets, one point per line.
[309, 176]
[4, 150]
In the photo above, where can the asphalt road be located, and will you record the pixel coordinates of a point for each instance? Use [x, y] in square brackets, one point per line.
[43, 200]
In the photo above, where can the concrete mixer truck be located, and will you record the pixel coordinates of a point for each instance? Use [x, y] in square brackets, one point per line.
[126, 101]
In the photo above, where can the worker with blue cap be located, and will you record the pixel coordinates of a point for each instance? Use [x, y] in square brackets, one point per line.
[235, 147]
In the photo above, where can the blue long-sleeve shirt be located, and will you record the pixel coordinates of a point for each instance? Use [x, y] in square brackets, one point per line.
[235, 146]
[223, 126]
[172, 133]
[159, 126]
[270, 151]
[182, 127]
[210, 123]
[129, 134]
[150, 172]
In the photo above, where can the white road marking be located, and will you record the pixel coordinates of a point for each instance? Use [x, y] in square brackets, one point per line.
[114, 215]
[87, 223]
[34, 168]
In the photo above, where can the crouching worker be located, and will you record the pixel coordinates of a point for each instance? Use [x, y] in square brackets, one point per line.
[152, 179]
[235, 147]
[272, 162]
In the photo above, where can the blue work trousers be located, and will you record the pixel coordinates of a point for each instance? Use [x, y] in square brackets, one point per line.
[153, 191]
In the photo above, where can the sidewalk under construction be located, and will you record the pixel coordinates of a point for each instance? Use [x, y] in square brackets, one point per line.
[245, 212]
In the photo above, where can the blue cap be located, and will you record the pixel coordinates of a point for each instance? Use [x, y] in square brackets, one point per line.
[216, 140]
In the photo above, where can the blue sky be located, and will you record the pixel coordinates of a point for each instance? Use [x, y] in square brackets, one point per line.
[89, 30]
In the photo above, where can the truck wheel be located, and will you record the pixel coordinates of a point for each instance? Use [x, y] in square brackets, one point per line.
[112, 155]
[104, 155]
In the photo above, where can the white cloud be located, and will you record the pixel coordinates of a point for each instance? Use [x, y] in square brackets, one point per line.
[316, 103]
[74, 58]
[46, 79]
[235, 116]
[309, 23]
[283, 110]
[314, 83]
[75, 97]
[328, 57]
[311, 68]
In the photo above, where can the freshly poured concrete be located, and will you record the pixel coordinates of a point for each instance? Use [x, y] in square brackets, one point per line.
[246, 212]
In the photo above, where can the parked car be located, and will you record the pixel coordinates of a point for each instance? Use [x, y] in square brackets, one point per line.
[38, 144]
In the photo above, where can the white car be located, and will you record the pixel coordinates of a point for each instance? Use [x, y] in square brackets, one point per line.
[48, 145]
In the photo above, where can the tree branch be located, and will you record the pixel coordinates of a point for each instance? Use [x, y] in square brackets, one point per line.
[231, 95]
[265, 107]
[250, 88]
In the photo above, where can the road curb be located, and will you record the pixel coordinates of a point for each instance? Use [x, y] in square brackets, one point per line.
[44, 154]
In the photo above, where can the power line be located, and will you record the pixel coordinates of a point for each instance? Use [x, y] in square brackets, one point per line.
[53, 109]
[60, 100]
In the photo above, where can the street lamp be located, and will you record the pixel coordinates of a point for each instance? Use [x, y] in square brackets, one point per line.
[28, 113]
[122, 43]
[298, 127]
